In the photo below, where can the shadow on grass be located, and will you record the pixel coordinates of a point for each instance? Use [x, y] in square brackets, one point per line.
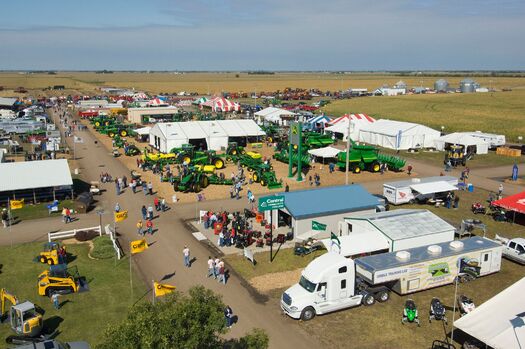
[51, 324]
[167, 276]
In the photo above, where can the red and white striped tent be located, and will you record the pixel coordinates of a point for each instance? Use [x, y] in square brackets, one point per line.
[157, 102]
[362, 117]
[340, 125]
[221, 104]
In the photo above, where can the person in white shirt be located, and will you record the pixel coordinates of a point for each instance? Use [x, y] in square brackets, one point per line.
[211, 267]
[186, 254]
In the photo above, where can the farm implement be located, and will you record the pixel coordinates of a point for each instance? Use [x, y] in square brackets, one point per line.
[283, 156]
[367, 157]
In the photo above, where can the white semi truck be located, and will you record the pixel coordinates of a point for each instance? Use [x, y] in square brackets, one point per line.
[332, 282]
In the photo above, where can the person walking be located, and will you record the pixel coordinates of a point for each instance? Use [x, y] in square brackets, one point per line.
[125, 181]
[211, 267]
[139, 227]
[156, 203]
[55, 300]
[216, 262]
[68, 215]
[186, 255]
[64, 216]
[500, 190]
[144, 211]
[150, 188]
[149, 226]
[456, 201]
[117, 186]
[133, 186]
[117, 208]
[409, 170]
[331, 167]
[150, 212]
[228, 315]
[222, 275]
[5, 217]
[163, 205]
[145, 188]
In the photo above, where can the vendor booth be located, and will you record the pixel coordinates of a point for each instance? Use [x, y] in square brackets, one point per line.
[339, 127]
[471, 145]
[515, 204]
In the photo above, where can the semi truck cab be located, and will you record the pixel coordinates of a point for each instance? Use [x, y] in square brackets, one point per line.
[327, 284]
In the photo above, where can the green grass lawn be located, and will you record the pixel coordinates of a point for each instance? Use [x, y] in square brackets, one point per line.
[436, 158]
[285, 260]
[83, 316]
[30, 211]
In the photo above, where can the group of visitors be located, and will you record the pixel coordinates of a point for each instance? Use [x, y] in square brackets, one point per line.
[316, 179]
[216, 269]
[452, 199]
[120, 184]
[66, 215]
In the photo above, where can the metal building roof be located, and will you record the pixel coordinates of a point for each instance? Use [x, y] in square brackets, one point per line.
[406, 223]
[328, 201]
[34, 174]
[422, 254]
[7, 101]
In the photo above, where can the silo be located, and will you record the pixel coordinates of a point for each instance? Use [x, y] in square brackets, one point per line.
[467, 86]
[441, 85]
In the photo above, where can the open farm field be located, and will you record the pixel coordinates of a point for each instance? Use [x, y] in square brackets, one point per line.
[213, 83]
[499, 112]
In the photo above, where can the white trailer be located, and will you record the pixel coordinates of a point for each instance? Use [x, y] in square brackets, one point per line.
[493, 140]
[418, 189]
[332, 282]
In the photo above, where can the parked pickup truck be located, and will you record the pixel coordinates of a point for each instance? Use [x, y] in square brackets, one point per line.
[513, 249]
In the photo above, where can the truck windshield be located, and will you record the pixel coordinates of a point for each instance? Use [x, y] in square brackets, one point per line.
[307, 285]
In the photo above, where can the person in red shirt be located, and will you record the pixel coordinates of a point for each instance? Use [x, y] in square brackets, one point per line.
[156, 203]
[149, 226]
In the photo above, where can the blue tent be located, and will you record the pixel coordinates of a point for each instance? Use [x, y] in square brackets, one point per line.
[317, 122]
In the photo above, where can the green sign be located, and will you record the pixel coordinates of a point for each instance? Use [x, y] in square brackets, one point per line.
[318, 226]
[295, 133]
[273, 202]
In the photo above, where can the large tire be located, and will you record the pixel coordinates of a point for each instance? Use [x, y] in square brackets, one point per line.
[368, 300]
[123, 133]
[375, 166]
[218, 163]
[233, 152]
[106, 123]
[196, 187]
[263, 182]
[43, 260]
[356, 169]
[382, 296]
[205, 181]
[255, 177]
[50, 261]
[111, 134]
[308, 314]
[97, 123]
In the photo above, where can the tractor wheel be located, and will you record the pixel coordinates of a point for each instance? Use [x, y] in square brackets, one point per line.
[106, 123]
[263, 182]
[255, 177]
[243, 152]
[196, 187]
[43, 260]
[123, 133]
[375, 166]
[111, 134]
[233, 152]
[356, 169]
[219, 164]
[205, 181]
[269, 139]
[97, 123]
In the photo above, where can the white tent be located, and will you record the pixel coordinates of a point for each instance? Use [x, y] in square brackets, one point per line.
[216, 133]
[398, 135]
[477, 145]
[500, 321]
[357, 121]
[143, 131]
[275, 115]
[326, 152]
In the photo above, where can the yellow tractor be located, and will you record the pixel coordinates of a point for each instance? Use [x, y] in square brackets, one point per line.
[60, 279]
[24, 319]
[50, 254]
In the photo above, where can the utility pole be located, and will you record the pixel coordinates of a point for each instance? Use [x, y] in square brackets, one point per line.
[347, 150]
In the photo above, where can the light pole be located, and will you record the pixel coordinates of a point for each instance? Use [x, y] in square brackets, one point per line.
[347, 151]
[442, 130]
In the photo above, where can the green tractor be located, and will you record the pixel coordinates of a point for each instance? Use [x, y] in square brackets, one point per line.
[188, 155]
[266, 178]
[101, 121]
[132, 150]
[194, 182]
[234, 150]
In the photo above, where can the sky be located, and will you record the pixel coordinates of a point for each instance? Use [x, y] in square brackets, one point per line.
[262, 35]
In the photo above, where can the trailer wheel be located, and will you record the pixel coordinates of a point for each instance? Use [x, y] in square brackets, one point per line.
[382, 296]
[368, 299]
[308, 314]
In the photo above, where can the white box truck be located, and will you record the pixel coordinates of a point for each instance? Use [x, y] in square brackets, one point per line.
[332, 282]
[418, 189]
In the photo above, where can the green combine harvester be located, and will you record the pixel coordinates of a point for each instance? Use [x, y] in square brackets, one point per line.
[367, 157]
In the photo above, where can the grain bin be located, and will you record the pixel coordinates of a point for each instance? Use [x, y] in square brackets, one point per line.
[467, 86]
[441, 85]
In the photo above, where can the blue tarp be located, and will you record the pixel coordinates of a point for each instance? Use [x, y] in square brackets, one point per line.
[328, 201]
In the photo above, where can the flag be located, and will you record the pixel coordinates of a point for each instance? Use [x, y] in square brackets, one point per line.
[318, 226]
[138, 246]
[120, 216]
[335, 241]
[162, 289]
[16, 204]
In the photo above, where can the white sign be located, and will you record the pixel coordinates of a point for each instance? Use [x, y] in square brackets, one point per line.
[249, 255]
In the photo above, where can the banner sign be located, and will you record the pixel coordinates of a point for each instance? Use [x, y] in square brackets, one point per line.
[318, 226]
[273, 202]
[120, 216]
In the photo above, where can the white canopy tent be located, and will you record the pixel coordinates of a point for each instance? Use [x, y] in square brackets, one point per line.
[500, 321]
[433, 187]
[216, 134]
[476, 145]
[143, 131]
[358, 243]
[275, 115]
[398, 135]
[326, 152]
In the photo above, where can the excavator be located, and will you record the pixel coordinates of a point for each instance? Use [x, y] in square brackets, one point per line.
[24, 319]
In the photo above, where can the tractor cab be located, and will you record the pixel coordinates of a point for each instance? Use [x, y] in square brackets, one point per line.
[25, 320]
